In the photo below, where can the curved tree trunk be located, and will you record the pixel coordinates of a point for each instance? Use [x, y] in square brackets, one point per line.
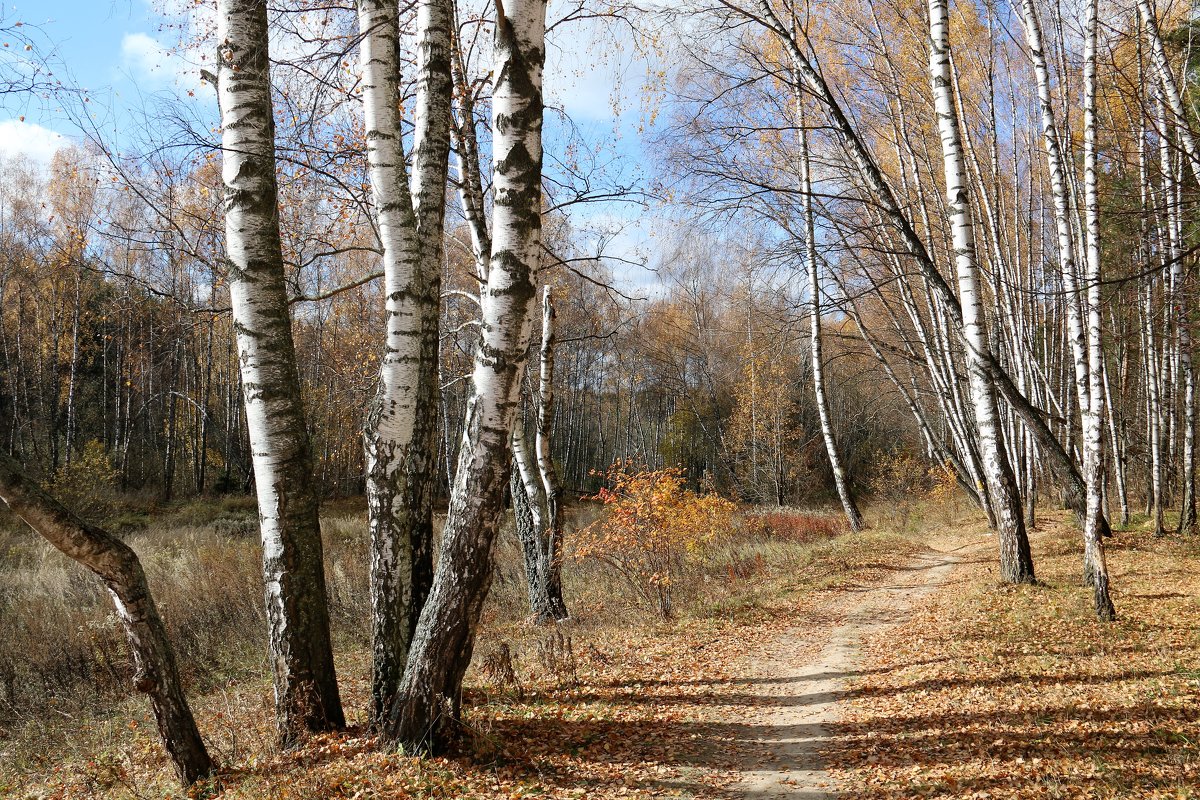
[118, 566]
[428, 702]
[306, 690]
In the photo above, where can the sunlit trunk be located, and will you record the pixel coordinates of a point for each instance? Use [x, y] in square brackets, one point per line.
[301, 655]
[428, 702]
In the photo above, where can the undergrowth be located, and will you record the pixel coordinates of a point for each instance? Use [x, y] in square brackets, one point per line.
[69, 726]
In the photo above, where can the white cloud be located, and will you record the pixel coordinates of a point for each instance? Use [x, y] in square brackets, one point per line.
[153, 65]
[18, 137]
[148, 61]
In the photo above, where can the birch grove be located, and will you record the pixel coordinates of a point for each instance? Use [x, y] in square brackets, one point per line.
[865, 256]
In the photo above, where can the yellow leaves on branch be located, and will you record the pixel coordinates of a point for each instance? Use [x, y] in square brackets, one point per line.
[651, 524]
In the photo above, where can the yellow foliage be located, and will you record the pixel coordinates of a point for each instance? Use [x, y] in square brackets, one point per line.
[652, 523]
[87, 484]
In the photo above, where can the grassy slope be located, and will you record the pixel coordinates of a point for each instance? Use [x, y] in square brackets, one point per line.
[624, 713]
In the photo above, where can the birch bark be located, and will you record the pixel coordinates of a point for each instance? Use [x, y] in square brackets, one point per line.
[1001, 482]
[306, 690]
[1076, 300]
[429, 698]
[849, 507]
[1093, 434]
[400, 436]
[391, 418]
[118, 566]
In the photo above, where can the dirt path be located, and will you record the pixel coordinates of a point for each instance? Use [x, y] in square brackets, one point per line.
[798, 680]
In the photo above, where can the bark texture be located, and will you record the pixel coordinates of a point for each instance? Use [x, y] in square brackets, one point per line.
[400, 436]
[118, 566]
[537, 492]
[849, 507]
[306, 690]
[428, 703]
[1095, 563]
[1016, 562]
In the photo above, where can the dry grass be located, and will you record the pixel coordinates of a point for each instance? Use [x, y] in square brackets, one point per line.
[1018, 692]
[615, 703]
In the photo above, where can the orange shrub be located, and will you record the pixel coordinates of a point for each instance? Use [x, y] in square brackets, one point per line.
[650, 527]
[798, 527]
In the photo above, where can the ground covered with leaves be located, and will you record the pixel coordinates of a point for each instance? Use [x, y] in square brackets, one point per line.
[1018, 692]
[617, 703]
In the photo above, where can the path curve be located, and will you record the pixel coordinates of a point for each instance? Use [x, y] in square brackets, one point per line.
[799, 680]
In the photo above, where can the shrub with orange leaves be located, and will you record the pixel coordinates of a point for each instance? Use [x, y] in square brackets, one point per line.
[651, 525]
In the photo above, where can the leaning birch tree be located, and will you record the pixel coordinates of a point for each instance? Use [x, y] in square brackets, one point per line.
[1002, 489]
[301, 654]
[115, 563]
[428, 702]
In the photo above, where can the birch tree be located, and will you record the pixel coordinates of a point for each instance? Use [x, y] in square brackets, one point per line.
[1178, 124]
[400, 436]
[1083, 323]
[1093, 434]
[1001, 483]
[301, 654]
[429, 698]
[816, 354]
[536, 490]
[155, 672]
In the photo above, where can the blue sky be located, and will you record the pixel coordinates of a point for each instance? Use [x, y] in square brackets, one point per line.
[120, 50]
[110, 47]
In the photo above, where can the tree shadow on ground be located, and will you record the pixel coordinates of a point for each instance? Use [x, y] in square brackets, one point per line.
[634, 735]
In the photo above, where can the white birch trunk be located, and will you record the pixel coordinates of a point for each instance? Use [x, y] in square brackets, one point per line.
[853, 516]
[1076, 301]
[400, 550]
[428, 701]
[306, 690]
[1001, 483]
[552, 487]
[1093, 434]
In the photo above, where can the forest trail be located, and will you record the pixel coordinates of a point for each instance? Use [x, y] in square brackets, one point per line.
[796, 683]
